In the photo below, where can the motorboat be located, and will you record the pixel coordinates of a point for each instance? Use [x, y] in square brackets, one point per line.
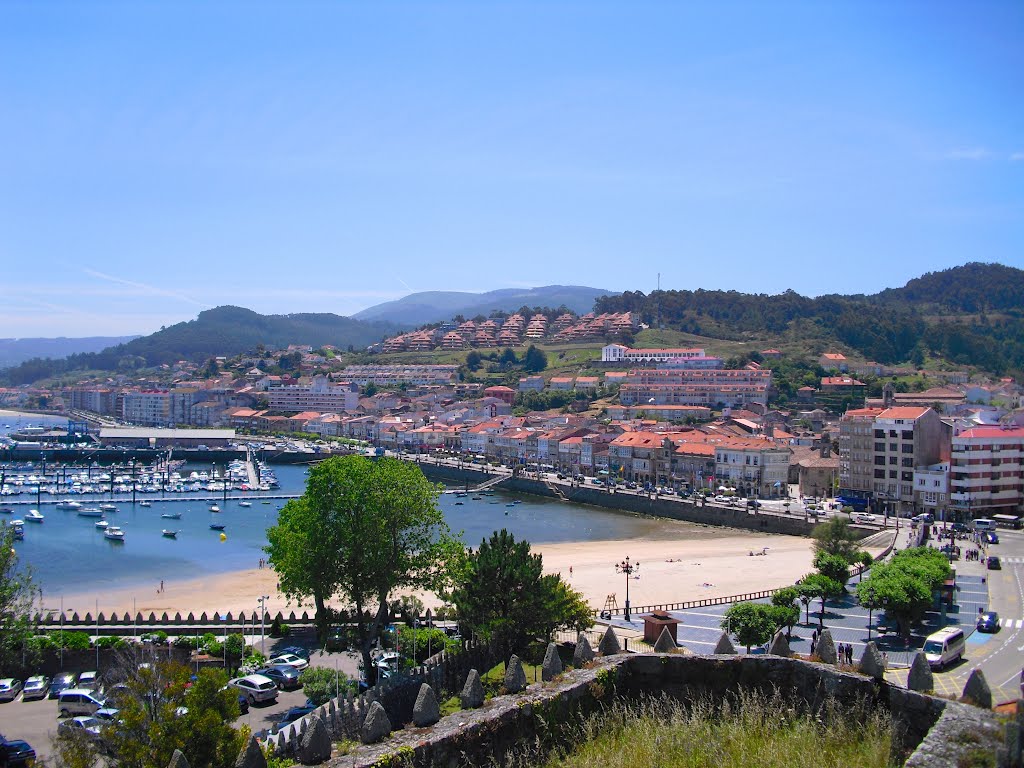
[74, 506]
[245, 503]
[169, 534]
[108, 508]
[35, 516]
[90, 512]
[214, 508]
[114, 533]
[171, 515]
[217, 526]
[19, 530]
[102, 525]
[7, 510]
[145, 503]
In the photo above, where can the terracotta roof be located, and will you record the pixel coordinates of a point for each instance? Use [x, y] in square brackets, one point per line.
[903, 412]
[993, 432]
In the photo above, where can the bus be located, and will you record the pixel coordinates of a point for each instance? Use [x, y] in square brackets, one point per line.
[1007, 521]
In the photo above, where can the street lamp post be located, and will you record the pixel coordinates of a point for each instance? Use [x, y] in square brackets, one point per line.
[263, 613]
[629, 569]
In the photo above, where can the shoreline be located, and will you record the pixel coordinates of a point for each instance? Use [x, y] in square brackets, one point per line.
[706, 563]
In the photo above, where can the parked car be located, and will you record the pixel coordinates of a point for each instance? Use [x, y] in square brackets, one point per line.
[256, 688]
[83, 724]
[62, 682]
[294, 714]
[9, 689]
[297, 651]
[994, 564]
[862, 517]
[79, 701]
[290, 659]
[16, 753]
[284, 675]
[106, 714]
[988, 622]
[35, 687]
[991, 537]
[89, 681]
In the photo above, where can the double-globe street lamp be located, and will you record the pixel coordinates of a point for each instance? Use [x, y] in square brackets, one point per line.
[629, 569]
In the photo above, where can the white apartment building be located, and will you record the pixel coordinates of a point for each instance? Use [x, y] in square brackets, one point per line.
[739, 388]
[931, 489]
[987, 471]
[320, 396]
[753, 466]
[150, 408]
[682, 358]
[390, 375]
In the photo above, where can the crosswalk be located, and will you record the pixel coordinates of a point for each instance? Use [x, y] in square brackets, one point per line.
[1012, 623]
[1012, 559]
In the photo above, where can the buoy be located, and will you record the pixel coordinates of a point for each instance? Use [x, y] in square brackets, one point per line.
[223, 537]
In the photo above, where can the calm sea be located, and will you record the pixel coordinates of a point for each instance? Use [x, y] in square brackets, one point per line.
[68, 554]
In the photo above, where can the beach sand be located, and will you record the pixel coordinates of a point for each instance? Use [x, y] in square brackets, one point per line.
[678, 562]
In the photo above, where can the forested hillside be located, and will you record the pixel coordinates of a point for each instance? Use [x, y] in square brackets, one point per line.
[221, 331]
[970, 315]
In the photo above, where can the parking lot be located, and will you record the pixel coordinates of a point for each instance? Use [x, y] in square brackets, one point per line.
[36, 721]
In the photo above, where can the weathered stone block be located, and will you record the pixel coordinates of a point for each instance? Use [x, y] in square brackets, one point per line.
[426, 710]
[473, 691]
[724, 646]
[552, 666]
[609, 645]
[315, 744]
[665, 642]
[780, 645]
[872, 663]
[583, 653]
[826, 648]
[377, 726]
[976, 691]
[515, 677]
[252, 756]
[920, 676]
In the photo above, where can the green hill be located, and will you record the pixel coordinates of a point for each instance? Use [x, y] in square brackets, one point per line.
[221, 331]
[437, 306]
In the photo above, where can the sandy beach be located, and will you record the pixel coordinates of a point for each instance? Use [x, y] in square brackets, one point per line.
[679, 562]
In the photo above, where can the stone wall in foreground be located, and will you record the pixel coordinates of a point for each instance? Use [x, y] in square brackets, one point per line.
[934, 732]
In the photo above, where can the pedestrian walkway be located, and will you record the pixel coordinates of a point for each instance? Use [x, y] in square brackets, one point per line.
[1012, 623]
[1011, 559]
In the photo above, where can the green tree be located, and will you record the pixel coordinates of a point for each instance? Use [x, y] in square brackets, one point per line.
[166, 707]
[473, 360]
[835, 537]
[836, 567]
[534, 361]
[363, 530]
[501, 594]
[321, 684]
[751, 623]
[19, 597]
[824, 588]
[508, 357]
[785, 599]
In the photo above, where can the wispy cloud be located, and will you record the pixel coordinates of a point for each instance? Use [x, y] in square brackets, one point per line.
[145, 289]
[1016, 157]
[969, 153]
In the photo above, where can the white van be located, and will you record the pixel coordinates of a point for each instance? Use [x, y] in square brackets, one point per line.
[78, 701]
[984, 524]
[944, 647]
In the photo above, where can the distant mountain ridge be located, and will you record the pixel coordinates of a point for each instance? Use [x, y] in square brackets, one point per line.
[14, 351]
[425, 307]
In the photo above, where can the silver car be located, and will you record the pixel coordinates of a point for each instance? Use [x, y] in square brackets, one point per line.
[9, 689]
[35, 687]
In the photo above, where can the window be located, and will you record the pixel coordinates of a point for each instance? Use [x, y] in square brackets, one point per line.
[880, 474]
[893, 447]
[880, 447]
[907, 435]
[879, 461]
[892, 474]
[907, 477]
[908, 448]
[893, 460]
[907, 463]
[879, 433]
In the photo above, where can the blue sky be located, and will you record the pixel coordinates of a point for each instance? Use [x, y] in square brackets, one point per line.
[157, 159]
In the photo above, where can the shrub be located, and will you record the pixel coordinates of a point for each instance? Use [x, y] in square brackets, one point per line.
[112, 642]
[320, 683]
[71, 641]
[184, 641]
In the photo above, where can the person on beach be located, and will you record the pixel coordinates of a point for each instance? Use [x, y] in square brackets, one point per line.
[161, 585]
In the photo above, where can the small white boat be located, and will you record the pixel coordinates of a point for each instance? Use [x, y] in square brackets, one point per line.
[169, 534]
[74, 506]
[171, 515]
[102, 524]
[245, 503]
[145, 503]
[214, 508]
[90, 512]
[35, 516]
[108, 508]
[114, 533]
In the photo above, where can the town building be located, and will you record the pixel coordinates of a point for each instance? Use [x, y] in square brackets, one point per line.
[987, 471]
[709, 388]
[320, 396]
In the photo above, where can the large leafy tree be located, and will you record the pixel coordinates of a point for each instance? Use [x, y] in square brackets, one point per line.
[905, 585]
[19, 597]
[835, 537]
[164, 708]
[836, 567]
[752, 623]
[823, 587]
[502, 594]
[363, 530]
